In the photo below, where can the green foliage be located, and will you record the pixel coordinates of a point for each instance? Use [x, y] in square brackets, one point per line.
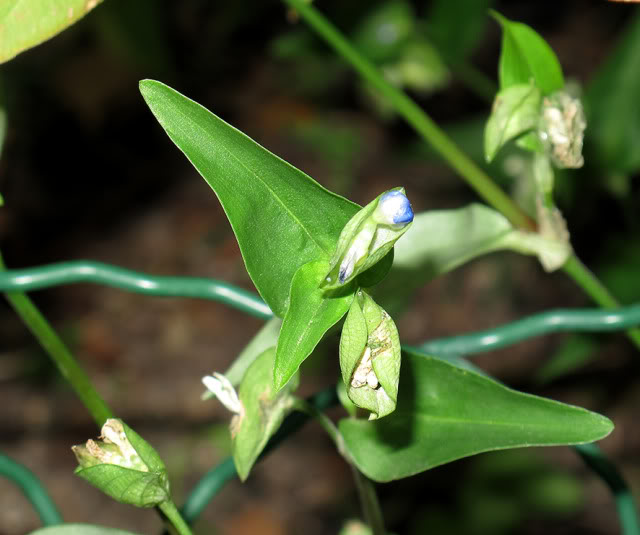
[264, 410]
[263, 196]
[612, 105]
[456, 27]
[525, 56]
[311, 314]
[445, 413]
[27, 23]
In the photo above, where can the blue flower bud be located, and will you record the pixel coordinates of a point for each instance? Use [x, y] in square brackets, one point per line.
[369, 236]
[393, 209]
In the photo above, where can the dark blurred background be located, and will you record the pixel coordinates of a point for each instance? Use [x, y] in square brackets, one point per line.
[86, 172]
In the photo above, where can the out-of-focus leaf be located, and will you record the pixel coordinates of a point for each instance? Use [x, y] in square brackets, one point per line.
[281, 217]
[620, 268]
[384, 31]
[129, 469]
[79, 529]
[27, 23]
[355, 527]
[440, 240]
[312, 312]
[445, 413]
[420, 67]
[516, 110]
[612, 105]
[456, 27]
[263, 412]
[526, 56]
[437, 242]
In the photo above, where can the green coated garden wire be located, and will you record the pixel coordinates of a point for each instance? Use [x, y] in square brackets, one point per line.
[592, 320]
[32, 489]
[36, 278]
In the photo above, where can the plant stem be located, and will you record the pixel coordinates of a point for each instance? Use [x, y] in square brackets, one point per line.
[416, 117]
[366, 491]
[61, 356]
[596, 290]
[326, 423]
[369, 501]
[173, 515]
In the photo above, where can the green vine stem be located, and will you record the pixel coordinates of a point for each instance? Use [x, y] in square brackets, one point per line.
[32, 488]
[77, 271]
[449, 151]
[170, 510]
[61, 356]
[366, 490]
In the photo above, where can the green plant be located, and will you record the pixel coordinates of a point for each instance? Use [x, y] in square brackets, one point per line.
[316, 258]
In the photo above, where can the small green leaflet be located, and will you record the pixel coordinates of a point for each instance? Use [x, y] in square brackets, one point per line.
[525, 56]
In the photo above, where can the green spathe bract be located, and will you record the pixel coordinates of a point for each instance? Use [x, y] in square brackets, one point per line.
[281, 217]
[128, 469]
[445, 413]
[79, 529]
[370, 357]
[263, 411]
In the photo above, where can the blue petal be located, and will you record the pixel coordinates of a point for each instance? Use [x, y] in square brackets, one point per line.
[402, 212]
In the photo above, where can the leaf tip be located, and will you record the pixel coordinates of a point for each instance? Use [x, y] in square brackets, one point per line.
[280, 378]
[146, 85]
